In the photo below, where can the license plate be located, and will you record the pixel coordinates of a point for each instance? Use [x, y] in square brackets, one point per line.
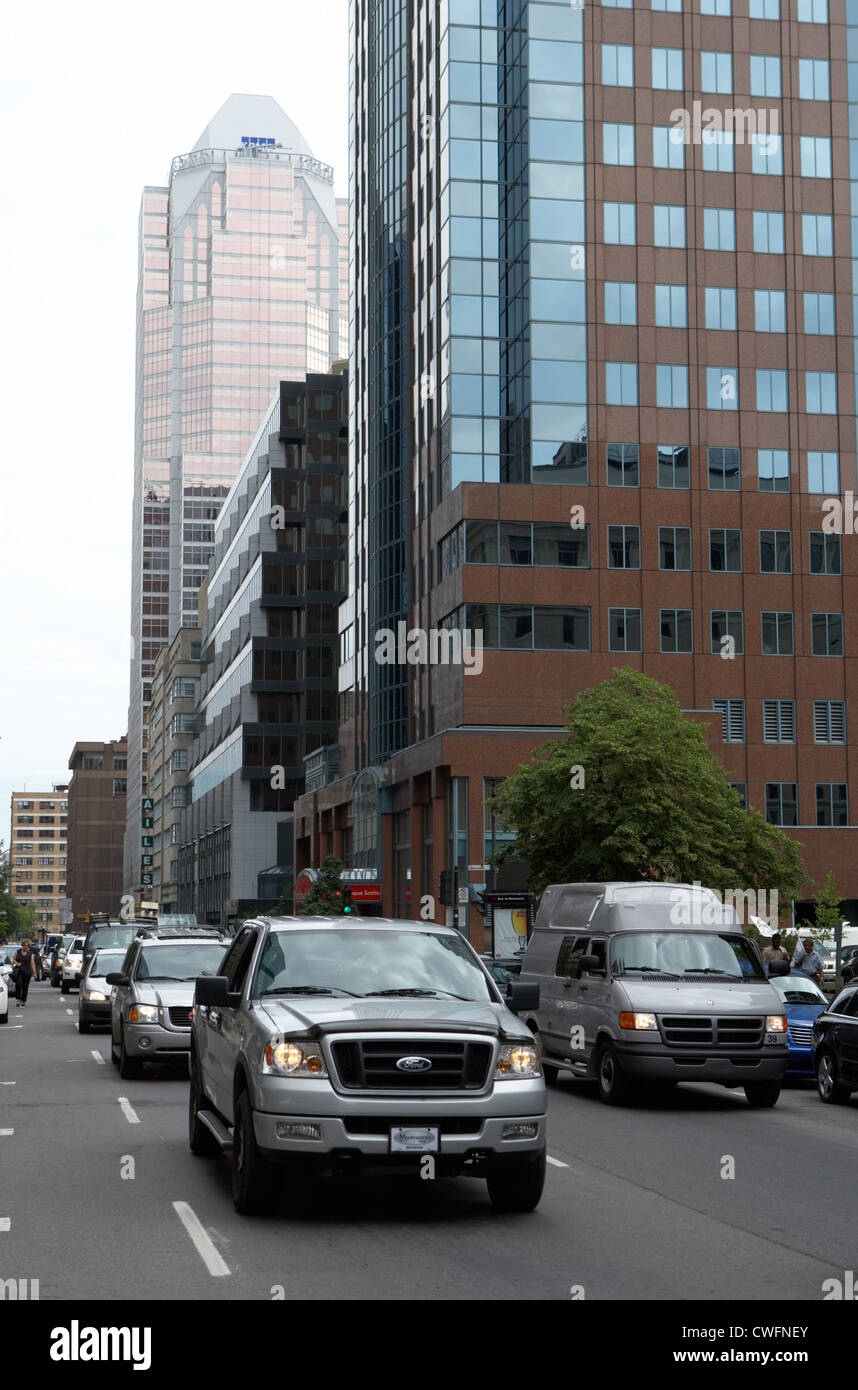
[413, 1140]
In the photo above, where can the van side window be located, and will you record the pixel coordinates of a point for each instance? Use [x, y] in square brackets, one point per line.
[598, 947]
[571, 949]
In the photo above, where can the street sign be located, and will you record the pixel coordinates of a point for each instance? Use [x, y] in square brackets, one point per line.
[146, 880]
[463, 895]
[147, 861]
[478, 868]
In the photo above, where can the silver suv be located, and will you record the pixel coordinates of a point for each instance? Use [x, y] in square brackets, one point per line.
[340, 1043]
[153, 995]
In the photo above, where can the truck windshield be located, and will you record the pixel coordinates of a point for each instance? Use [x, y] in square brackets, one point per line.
[679, 953]
[370, 963]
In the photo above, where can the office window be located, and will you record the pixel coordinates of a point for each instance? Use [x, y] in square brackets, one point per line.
[624, 547]
[718, 151]
[727, 623]
[725, 549]
[817, 234]
[820, 389]
[668, 225]
[827, 634]
[516, 543]
[823, 471]
[619, 224]
[667, 73]
[725, 473]
[624, 629]
[668, 149]
[782, 803]
[621, 383]
[674, 6]
[559, 629]
[618, 143]
[775, 552]
[618, 4]
[815, 157]
[621, 301]
[764, 9]
[773, 470]
[715, 7]
[554, 543]
[829, 721]
[674, 547]
[722, 388]
[832, 803]
[716, 72]
[771, 390]
[811, 11]
[741, 790]
[769, 311]
[733, 716]
[814, 83]
[779, 721]
[676, 630]
[765, 75]
[767, 154]
[819, 313]
[674, 470]
[769, 233]
[671, 385]
[720, 307]
[825, 556]
[719, 229]
[623, 465]
[618, 69]
[777, 634]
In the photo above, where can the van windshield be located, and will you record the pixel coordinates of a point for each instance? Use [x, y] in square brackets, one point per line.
[682, 954]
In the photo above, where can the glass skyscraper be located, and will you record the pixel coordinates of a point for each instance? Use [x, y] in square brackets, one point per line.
[242, 282]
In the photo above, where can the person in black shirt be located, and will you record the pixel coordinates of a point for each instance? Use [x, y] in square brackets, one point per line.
[24, 969]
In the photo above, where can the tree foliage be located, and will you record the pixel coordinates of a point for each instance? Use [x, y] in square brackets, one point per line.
[16, 918]
[325, 898]
[635, 792]
[828, 910]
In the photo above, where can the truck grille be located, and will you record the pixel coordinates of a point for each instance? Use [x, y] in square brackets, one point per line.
[180, 1016]
[370, 1064]
[801, 1034]
[700, 1030]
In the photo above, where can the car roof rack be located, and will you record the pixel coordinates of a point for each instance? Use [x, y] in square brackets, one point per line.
[156, 933]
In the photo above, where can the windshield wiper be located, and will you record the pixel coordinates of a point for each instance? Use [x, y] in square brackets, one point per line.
[309, 989]
[415, 994]
[176, 979]
[650, 970]
[709, 970]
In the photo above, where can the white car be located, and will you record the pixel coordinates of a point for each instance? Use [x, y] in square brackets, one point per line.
[72, 964]
[4, 1001]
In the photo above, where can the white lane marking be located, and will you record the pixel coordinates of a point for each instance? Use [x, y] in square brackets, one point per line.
[69, 1011]
[16, 1025]
[98, 1057]
[8, 1083]
[207, 1251]
[128, 1112]
[5, 1223]
[556, 1162]
[6, 1132]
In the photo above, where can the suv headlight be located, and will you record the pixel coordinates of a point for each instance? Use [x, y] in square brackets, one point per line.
[518, 1061]
[143, 1013]
[286, 1058]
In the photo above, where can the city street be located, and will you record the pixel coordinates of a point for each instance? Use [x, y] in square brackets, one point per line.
[635, 1205]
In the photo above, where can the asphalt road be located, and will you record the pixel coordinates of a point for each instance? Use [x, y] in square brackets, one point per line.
[635, 1204]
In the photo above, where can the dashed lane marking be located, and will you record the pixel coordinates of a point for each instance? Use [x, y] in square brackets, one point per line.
[98, 1057]
[131, 1116]
[556, 1162]
[207, 1251]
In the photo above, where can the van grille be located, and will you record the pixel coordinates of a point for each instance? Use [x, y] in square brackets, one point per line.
[701, 1030]
[368, 1065]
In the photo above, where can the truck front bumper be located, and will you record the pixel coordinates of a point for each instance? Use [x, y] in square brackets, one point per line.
[475, 1142]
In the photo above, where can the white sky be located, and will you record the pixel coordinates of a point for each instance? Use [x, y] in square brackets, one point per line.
[95, 100]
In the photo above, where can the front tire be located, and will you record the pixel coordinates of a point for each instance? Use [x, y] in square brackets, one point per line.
[252, 1174]
[201, 1140]
[518, 1188]
[65, 987]
[615, 1087]
[831, 1091]
[83, 1026]
[5, 1018]
[762, 1095]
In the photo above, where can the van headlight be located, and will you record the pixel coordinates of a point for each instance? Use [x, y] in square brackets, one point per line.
[776, 1023]
[518, 1062]
[632, 1021]
[285, 1058]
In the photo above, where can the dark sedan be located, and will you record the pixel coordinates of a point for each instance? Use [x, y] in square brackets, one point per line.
[835, 1048]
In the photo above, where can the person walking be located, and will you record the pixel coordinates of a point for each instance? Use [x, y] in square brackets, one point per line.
[24, 970]
[807, 960]
[775, 951]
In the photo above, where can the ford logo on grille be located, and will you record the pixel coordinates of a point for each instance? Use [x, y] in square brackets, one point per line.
[413, 1064]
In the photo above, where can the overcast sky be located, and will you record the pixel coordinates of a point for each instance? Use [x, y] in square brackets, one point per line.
[95, 100]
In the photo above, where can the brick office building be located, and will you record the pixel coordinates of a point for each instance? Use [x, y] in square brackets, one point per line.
[96, 829]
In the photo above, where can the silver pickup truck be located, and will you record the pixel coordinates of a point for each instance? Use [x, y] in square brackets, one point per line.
[341, 1043]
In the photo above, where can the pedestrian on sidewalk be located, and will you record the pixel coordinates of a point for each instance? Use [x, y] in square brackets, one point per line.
[775, 951]
[807, 960]
[24, 970]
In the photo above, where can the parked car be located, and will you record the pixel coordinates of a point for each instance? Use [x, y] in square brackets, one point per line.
[93, 1002]
[653, 982]
[152, 1000]
[56, 961]
[337, 1044]
[109, 934]
[803, 1001]
[8, 950]
[72, 965]
[835, 1048]
[4, 1000]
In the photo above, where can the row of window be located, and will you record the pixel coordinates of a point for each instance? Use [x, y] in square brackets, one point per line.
[43, 820]
[667, 72]
[722, 388]
[805, 11]
[619, 146]
[528, 627]
[832, 803]
[619, 228]
[720, 308]
[779, 720]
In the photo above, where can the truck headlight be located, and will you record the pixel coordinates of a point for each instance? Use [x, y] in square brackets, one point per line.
[143, 1013]
[285, 1058]
[776, 1023]
[518, 1061]
[639, 1021]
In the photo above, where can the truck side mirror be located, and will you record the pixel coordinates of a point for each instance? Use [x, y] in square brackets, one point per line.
[212, 991]
[521, 998]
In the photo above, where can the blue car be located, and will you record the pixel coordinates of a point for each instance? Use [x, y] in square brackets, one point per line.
[803, 1002]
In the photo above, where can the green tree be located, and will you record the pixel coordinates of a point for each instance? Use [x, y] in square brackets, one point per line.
[635, 792]
[16, 918]
[828, 910]
[325, 898]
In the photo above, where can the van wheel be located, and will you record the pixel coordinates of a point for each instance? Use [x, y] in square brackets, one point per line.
[548, 1071]
[615, 1087]
[252, 1174]
[201, 1140]
[65, 987]
[761, 1095]
[518, 1188]
[831, 1091]
[83, 1026]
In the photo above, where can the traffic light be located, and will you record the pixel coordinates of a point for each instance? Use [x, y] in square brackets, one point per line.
[348, 906]
[447, 888]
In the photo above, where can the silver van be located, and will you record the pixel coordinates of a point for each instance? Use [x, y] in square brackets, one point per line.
[653, 982]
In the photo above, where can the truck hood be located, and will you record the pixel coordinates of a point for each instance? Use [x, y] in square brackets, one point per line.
[318, 1015]
[667, 996]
